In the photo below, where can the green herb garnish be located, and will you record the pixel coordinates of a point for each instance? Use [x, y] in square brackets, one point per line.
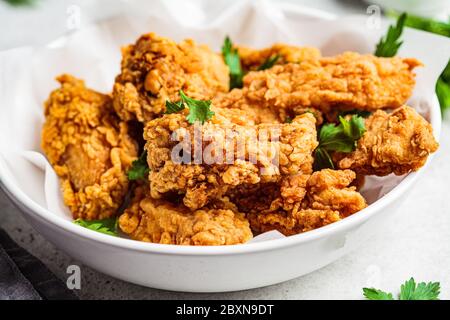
[389, 45]
[439, 27]
[199, 110]
[361, 113]
[21, 2]
[139, 168]
[106, 226]
[375, 294]
[408, 291]
[443, 29]
[174, 107]
[443, 89]
[233, 61]
[341, 138]
[269, 62]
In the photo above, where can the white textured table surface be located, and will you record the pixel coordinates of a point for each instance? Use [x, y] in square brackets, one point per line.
[415, 242]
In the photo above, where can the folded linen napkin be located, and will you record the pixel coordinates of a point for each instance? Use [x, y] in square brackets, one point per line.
[24, 277]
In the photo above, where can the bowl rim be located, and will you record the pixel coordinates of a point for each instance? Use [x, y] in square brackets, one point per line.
[27, 205]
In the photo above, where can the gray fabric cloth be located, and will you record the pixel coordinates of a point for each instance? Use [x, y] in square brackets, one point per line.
[13, 285]
[24, 277]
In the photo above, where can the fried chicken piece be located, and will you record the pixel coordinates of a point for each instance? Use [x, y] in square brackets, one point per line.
[252, 59]
[397, 142]
[160, 221]
[239, 109]
[154, 69]
[222, 155]
[89, 148]
[235, 107]
[300, 202]
[347, 81]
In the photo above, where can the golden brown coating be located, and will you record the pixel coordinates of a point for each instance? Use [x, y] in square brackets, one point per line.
[240, 109]
[89, 148]
[397, 142]
[235, 104]
[154, 69]
[161, 221]
[300, 202]
[235, 107]
[227, 155]
[252, 59]
[346, 81]
[247, 170]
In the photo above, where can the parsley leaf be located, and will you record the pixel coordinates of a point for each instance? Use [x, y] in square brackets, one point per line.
[139, 168]
[389, 45]
[422, 291]
[408, 291]
[106, 226]
[375, 294]
[322, 159]
[269, 63]
[199, 110]
[233, 61]
[174, 107]
[341, 138]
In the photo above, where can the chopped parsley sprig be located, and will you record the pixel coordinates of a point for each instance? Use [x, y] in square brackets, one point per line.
[269, 62]
[389, 45]
[341, 138]
[233, 61]
[174, 107]
[106, 226]
[139, 168]
[408, 291]
[438, 27]
[199, 110]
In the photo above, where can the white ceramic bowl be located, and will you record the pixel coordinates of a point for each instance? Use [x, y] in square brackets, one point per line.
[212, 269]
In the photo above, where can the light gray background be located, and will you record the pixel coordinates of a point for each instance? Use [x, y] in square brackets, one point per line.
[416, 241]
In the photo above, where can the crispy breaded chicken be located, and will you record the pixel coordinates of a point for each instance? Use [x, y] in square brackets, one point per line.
[161, 221]
[252, 59]
[397, 142]
[235, 107]
[346, 81]
[230, 155]
[89, 148]
[241, 109]
[154, 69]
[300, 202]
[248, 168]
